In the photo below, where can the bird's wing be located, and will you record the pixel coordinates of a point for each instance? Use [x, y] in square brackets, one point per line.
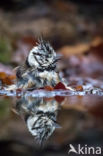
[29, 71]
[20, 70]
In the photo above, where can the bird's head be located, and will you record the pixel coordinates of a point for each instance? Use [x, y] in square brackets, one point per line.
[42, 56]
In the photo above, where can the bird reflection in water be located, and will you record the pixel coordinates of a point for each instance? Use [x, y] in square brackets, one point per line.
[40, 116]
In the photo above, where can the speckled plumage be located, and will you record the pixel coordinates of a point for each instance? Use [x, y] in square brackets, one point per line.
[39, 68]
[40, 116]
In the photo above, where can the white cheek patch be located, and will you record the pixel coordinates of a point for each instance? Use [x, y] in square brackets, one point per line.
[31, 58]
[30, 122]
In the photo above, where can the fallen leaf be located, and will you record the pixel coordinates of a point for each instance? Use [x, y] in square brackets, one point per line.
[12, 77]
[79, 88]
[7, 79]
[49, 88]
[60, 85]
[2, 75]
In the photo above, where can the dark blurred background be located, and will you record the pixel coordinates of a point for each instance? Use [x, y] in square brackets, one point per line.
[62, 22]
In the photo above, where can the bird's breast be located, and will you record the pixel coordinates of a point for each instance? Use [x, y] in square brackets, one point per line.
[48, 75]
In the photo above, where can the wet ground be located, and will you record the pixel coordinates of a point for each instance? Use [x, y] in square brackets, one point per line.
[43, 122]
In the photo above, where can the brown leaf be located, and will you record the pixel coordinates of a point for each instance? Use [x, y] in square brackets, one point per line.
[60, 85]
[7, 79]
[12, 77]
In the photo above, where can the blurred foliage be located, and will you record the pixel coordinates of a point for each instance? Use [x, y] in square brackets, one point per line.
[6, 38]
[4, 108]
[5, 50]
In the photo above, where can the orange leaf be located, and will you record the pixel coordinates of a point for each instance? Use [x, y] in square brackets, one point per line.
[2, 75]
[49, 88]
[12, 77]
[7, 81]
[79, 88]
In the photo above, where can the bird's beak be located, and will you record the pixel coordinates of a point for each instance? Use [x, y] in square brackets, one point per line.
[58, 57]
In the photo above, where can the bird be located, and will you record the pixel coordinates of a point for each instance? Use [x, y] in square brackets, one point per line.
[39, 69]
